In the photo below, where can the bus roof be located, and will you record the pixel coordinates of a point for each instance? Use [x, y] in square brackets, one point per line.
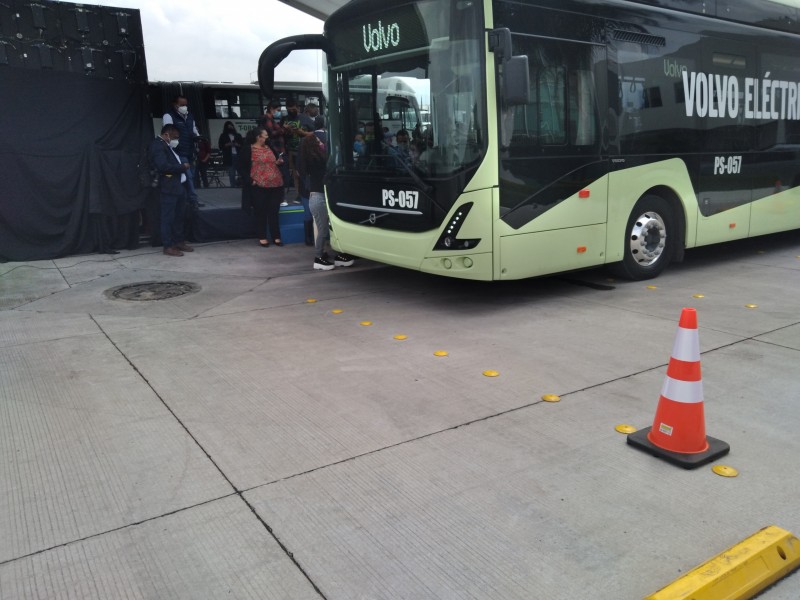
[321, 9]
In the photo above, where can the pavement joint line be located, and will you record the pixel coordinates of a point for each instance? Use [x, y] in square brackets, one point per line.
[114, 529]
[236, 491]
[408, 441]
[486, 418]
[287, 305]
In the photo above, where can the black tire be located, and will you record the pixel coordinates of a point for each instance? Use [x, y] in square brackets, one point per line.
[650, 237]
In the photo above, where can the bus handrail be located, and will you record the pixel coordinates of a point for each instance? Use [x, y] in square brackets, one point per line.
[274, 54]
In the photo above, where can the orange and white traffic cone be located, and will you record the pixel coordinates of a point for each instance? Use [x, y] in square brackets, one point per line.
[678, 434]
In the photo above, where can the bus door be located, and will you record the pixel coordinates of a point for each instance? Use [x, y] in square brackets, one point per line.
[716, 97]
[552, 190]
[551, 147]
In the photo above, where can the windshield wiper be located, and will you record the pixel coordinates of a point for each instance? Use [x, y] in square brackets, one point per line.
[426, 189]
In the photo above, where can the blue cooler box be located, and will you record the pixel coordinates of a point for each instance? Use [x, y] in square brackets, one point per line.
[292, 228]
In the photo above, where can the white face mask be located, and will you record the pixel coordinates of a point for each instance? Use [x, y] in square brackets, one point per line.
[174, 143]
[184, 110]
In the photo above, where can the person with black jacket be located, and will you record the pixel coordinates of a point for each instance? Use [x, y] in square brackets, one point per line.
[230, 142]
[173, 182]
[313, 163]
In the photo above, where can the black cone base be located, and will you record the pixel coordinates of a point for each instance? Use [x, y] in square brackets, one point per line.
[716, 448]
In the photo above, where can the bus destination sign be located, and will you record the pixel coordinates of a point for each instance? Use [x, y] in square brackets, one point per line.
[389, 32]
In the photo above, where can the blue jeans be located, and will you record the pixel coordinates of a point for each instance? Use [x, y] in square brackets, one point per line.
[232, 169]
[192, 195]
[316, 202]
[173, 213]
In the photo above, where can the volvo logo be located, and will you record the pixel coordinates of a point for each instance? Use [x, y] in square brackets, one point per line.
[373, 218]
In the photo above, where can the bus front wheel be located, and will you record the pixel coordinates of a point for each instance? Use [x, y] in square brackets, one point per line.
[649, 240]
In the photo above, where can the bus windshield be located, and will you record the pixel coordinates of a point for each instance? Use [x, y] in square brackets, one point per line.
[408, 89]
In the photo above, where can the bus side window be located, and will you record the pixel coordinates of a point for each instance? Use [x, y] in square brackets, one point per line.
[582, 111]
[541, 122]
[562, 112]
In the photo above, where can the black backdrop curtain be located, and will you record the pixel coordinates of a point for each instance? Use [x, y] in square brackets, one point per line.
[71, 163]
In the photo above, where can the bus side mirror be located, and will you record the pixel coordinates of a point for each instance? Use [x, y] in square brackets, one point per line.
[515, 78]
[516, 81]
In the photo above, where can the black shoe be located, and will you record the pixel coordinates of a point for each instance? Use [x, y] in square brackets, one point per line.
[343, 260]
[322, 264]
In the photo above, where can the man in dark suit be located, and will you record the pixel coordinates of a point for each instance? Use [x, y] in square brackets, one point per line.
[172, 189]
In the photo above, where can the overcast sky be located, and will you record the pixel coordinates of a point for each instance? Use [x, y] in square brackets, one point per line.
[220, 40]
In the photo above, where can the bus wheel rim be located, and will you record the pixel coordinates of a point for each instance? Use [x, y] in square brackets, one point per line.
[648, 239]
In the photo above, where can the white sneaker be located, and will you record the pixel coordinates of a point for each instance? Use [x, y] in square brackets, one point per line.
[322, 264]
[283, 204]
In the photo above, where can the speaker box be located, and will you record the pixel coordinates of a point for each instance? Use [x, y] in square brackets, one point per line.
[41, 55]
[8, 22]
[38, 21]
[121, 27]
[81, 24]
[86, 60]
[124, 63]
[12, 54]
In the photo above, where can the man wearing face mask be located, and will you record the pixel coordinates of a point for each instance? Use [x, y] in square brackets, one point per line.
[297, 126]
[172, 189]
[179, 116]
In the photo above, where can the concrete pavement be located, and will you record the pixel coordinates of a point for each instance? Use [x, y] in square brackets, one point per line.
[245, 442]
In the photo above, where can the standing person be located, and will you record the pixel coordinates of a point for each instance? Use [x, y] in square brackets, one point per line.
[311, 112]
[402, 151]
[230, 142]
[277, 141]
[294, 132]
[203, 159]
[172, 189]
[308, 217]
[179, 116]
[314, 163]
[265, 183]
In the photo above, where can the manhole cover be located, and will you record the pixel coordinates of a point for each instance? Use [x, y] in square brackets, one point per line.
[152, 290]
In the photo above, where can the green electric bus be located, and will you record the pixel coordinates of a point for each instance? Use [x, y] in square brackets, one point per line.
[558, 134]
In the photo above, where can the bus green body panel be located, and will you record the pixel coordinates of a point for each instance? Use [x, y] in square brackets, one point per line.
[474, 266]
[574, 211]
[545, 252]
[398, 248]
[779, 211]
[733, 224]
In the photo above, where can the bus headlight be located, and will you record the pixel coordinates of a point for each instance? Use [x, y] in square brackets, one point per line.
[449, 239]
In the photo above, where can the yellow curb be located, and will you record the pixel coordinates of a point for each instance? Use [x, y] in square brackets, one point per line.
[740, 572]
